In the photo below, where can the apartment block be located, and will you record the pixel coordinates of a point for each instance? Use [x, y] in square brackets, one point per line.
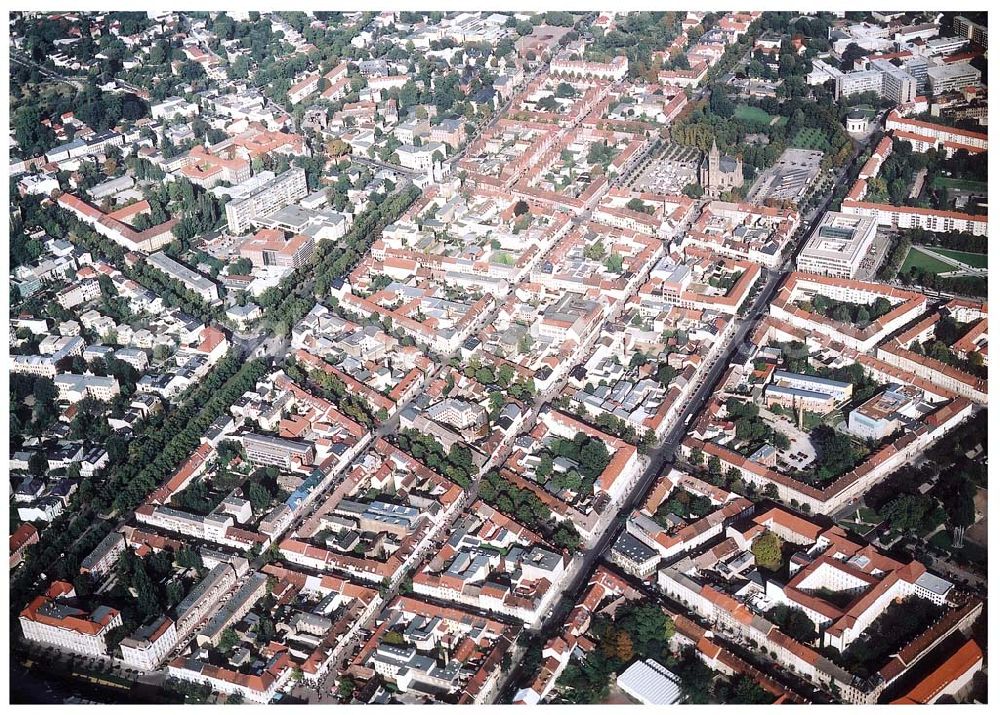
[207, 593]
[236, 607]
[883, 77]
[150, 239]
[898, 84]
[616, 70]
[53, 620]
[916, 217]
[192, 280]
[270, 196]
[105, 555]
[150, 644]
[73, 388]
[965, 27]
[173, 107]
[47, 365]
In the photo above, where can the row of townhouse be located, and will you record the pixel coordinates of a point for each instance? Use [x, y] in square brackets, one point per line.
[923, 135]
[362, 603]
[907, 306]
[851, 485]
[254, 688]
[148, 240]
[905, 217]
[616, 70]
[445, 340]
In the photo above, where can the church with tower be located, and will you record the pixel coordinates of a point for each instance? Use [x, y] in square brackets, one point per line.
[719, 172]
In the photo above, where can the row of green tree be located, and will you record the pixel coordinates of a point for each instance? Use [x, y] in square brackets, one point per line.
[163, 442]
[332, 388]
[158, 455]
[973, 286]
[525, 507]
[295, 296]
[860, 314]
[457, 464]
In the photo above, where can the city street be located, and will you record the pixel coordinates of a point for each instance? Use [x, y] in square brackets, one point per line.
[227, 297]
[663, 453]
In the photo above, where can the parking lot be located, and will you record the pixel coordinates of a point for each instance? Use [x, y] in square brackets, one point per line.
[876, 254]
[801, 453]
[789, 178]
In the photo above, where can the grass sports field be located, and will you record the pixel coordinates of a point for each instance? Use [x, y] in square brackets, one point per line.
[752, 114]
[811, 139]
[976, 260]
[943, 182]
[921, 260]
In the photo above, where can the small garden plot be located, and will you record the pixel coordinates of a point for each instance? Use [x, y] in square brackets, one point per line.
[862, 521]
[502, 258]
[811, 139]
[941, 540]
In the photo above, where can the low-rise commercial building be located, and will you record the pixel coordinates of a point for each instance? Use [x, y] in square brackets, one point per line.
[263, 449]
[650, 683]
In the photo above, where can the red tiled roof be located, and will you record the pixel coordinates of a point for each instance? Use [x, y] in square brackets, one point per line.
[73, 619]
[22, 535]
[969, 656]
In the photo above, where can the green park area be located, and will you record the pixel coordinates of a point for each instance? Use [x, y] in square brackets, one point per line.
[918, 259]
[752, 114]
[976, 260]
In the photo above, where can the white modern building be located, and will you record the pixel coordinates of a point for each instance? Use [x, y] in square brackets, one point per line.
[838, 246]
[266, 199]
[650, 683]
[952, 77]
[73, 388]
